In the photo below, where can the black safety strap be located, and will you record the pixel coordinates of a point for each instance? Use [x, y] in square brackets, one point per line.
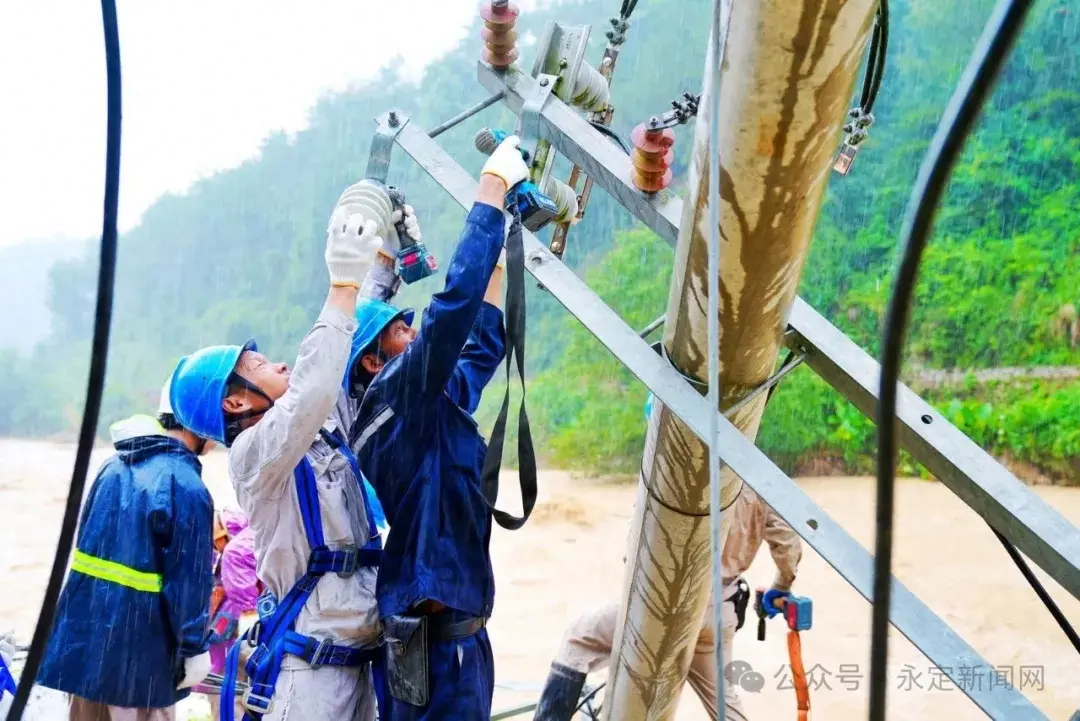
[515, 342]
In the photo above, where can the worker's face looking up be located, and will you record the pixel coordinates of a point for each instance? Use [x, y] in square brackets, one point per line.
[271, 378]
[393, 341]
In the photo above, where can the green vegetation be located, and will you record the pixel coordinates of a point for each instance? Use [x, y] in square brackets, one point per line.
[240, 254]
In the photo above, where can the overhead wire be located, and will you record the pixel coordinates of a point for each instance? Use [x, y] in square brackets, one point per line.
[992, 50]
[1039, 589]
[99, 351]
[717, 41]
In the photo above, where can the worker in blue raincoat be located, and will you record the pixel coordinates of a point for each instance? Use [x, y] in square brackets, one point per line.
[129, 639]
[419, 446]
[315, 649]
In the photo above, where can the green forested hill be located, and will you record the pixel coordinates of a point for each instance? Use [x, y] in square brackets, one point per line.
[241, 253]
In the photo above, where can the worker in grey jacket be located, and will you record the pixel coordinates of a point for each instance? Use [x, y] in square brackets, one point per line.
[316, 543]
[586, 647]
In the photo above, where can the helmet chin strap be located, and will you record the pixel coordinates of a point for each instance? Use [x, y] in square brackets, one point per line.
[233, 420]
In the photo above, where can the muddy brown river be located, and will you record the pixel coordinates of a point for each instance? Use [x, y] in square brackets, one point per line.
[569, 558]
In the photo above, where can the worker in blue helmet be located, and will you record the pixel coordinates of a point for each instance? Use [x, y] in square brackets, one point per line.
[317, 543]
[419, 446]
[129, 636]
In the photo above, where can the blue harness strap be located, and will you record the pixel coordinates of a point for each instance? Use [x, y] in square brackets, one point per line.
[274, 633]
[7, 681]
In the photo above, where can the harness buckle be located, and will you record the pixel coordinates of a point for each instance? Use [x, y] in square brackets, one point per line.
[257, 704]
[350, 561]
[321, 651]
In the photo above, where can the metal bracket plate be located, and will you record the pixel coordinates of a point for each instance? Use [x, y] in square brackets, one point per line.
[941, 645]
[529, 126]
[378, 167]
[561, 52]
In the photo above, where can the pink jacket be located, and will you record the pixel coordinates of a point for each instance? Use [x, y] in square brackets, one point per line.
[238, 578]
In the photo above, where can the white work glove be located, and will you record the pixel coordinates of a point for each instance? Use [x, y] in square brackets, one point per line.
[412, 228]
[351, 244]
[506, 163]
[196, 669]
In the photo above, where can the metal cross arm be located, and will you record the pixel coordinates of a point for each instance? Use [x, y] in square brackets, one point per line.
[973, 475]
[918, 623]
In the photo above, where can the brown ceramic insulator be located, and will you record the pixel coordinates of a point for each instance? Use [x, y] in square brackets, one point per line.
[500, 38]
[652, 158]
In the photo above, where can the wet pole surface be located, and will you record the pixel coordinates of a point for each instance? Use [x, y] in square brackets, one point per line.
[786, 84]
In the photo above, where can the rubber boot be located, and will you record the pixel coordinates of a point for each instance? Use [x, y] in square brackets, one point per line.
[561, 695]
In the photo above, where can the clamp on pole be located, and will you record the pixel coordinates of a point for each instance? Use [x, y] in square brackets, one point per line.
[386, 133]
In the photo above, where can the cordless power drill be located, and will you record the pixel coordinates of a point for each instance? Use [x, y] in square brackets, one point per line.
[414, 259]
[535, 208]
[798, 612]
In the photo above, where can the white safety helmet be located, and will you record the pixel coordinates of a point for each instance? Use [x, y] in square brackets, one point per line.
[164, 407]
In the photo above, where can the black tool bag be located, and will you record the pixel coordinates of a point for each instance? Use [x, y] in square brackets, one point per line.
[407, 658]
[515, 341]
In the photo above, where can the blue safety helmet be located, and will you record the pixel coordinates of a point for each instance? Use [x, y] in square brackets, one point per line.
[199, 385]
[372, 318]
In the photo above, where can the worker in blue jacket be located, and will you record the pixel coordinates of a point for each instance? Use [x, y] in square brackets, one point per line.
[129, 639]
[418, 444]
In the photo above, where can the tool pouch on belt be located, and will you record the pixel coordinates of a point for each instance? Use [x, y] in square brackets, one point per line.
[741, 599]
[407, 658]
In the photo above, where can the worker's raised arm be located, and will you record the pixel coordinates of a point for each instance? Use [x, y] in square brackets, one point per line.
[430, 360]
[266, 454]
[785, 547]
[484, 350]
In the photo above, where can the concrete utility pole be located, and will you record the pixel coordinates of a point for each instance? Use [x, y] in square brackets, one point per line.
[786, 86]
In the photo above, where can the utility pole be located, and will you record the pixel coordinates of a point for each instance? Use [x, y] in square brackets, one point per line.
[785, 88]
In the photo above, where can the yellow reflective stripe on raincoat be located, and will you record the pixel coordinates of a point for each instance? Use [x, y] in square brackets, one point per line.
[116, 573]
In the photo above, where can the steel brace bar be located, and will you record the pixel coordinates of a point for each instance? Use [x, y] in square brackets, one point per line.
[941, 645]
[1040, 532]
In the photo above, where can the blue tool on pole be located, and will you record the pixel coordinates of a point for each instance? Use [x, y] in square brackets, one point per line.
[537, 210]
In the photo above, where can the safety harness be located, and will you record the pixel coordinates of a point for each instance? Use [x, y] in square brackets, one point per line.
[798, 614]
[273, 635]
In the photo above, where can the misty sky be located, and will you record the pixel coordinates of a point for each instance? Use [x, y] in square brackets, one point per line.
[204, 81]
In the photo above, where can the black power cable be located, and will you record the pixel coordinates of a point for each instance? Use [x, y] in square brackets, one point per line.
[99, 351]
[993, 48]
[611, 134]
[1040, 591]
[875, 62]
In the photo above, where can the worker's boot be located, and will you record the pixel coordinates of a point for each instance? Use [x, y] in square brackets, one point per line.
[561, 695]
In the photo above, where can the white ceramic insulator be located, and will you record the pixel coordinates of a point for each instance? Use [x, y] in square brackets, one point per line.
[591, 91]
[371, 200]
[564, 197]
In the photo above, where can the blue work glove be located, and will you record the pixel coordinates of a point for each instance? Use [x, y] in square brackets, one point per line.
[769, 601]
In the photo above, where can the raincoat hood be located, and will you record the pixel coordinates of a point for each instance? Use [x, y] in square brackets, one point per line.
[138, 425]
[233, 519]
[138, 449]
